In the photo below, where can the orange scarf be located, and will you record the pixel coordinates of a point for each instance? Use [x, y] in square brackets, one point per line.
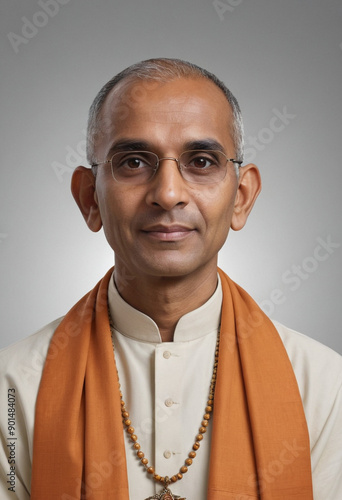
[260, 444]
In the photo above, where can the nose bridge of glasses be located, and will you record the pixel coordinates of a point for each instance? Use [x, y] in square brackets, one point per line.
[171, 158]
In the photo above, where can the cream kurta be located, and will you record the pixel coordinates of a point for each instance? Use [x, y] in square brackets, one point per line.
[165, 387]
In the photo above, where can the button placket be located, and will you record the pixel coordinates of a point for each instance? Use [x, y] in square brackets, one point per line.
[168, 429]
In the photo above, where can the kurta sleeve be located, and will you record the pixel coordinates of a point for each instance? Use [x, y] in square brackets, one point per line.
[15, 463]
[327, 455]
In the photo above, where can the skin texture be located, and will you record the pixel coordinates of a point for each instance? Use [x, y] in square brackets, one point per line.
[166, 234]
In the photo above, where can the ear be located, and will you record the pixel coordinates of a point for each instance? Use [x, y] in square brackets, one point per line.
[83, 190]
[248, 191]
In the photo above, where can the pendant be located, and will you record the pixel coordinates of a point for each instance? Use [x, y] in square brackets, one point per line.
[165, 494]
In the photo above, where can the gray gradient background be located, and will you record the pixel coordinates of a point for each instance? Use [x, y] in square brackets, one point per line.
[270, 53]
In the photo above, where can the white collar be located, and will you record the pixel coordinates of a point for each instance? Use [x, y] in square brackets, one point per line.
[137, 325]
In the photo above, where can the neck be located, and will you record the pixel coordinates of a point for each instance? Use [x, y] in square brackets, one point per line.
[166, 299]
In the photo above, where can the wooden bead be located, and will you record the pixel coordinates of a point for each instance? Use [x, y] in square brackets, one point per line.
[192, 454]
[202, 430]
[150, 470]
[206, 416]
[127, 422]
[134, 437]
[130, 430]
[184, 469]
[199, 437]
[208, 409]
[157, 477]
[205, 423]
[136, 446]
[188, 461]
[125, 414]
[140, 454]
[179, 475]
[196, 445]
[174, 479]
[144, 461]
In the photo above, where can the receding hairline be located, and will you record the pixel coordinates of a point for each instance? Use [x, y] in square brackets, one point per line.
[162, 71]
[135, 89]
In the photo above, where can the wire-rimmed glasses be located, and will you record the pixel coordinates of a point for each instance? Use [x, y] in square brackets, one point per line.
[196, 166]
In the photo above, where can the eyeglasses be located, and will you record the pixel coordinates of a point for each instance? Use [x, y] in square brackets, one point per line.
[138, 167]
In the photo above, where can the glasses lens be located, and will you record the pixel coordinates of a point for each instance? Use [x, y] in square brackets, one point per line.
[203, 167]
[134, 167]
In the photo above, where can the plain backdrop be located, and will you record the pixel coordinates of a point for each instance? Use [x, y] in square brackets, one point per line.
[283, 61]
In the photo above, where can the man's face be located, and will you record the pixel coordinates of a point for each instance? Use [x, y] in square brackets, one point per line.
[167, 226]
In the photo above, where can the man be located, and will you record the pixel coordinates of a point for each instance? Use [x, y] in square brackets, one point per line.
[204, 397]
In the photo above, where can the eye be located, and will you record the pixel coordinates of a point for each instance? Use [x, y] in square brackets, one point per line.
[133, 162]
[200, 160]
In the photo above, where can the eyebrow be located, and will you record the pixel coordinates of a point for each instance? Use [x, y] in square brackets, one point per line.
[129, 145]
[204, 144]
[139, 145]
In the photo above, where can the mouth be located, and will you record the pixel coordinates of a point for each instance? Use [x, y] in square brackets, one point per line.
[168, 233]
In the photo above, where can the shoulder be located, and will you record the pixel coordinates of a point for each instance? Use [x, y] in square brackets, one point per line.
[25, 359]
[308, 355]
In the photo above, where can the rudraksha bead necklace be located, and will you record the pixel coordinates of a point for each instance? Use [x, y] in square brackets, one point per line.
[166, 493]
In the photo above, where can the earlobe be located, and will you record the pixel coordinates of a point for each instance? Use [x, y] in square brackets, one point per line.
[248, 191]
[83, 191]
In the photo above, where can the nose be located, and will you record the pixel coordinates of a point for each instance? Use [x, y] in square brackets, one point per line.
[168, 189]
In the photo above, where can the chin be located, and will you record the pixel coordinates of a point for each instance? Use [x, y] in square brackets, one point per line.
[173, 268]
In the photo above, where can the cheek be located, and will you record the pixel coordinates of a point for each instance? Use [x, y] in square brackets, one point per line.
[216, 206]
[118, 208]
[111, 210]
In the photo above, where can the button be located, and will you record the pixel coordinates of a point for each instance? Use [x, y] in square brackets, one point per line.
[166, 354]
[168, 402]
[167, 454]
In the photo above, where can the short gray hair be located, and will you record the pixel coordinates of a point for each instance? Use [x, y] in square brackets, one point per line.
[162, 70]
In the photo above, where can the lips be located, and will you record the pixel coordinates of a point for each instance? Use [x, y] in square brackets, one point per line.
[174, 232]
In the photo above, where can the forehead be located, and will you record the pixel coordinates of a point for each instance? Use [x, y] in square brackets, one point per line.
[179, 110]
